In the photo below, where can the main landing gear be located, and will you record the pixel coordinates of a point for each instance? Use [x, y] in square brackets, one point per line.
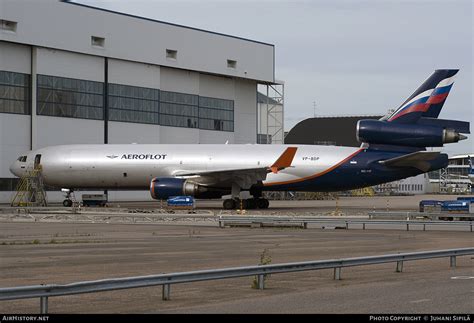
[237, 203]
[252, 203]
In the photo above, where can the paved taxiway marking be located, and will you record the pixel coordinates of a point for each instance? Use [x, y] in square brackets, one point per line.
[462, 277]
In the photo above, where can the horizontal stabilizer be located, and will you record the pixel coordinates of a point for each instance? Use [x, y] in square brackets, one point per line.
[420, 160]
[458, 126]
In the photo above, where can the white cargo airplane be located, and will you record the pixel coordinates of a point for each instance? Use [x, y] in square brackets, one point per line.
[392, 148]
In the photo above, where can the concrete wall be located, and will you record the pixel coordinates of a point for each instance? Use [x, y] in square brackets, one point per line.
[127, 133]
[179, 81]
[15, 57]
[15, 135]
[14, 140]
[67, 64]
[245, 112]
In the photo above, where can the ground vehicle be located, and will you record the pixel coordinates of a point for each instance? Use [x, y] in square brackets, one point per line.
[180, 202]
[466, 198]
[94, 200]
[430, 205]
[459, 209]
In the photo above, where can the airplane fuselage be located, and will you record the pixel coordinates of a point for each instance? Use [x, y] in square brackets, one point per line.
[314, 168]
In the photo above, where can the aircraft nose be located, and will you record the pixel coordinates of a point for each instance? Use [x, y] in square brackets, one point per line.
[15, 169]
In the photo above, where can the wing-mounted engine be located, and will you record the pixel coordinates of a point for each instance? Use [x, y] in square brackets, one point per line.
[165, 187]
[400, 134]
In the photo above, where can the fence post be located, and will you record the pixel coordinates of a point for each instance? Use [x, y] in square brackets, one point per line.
[166, 292]
[363, 226]
[337, 273]
[452, 261]
[44, 304]
[408, 227]
[261, 281]
[424, 227]
[399, 266]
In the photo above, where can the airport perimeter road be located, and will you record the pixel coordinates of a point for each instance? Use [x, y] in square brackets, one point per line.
[36, 253]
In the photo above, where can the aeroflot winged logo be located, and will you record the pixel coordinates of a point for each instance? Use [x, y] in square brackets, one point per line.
[139, 156]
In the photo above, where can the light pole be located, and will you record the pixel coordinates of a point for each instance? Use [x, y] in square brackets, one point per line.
[314, 107]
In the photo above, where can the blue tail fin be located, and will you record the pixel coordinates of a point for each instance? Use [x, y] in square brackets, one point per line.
[427, 100]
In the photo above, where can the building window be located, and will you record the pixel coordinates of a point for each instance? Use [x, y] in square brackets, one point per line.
[179, 109]
[133, 104]
[171, 54]
[216, 114]
[8, 25]
[97, 41]
[70, 98]
[231, 64]
[14, 93]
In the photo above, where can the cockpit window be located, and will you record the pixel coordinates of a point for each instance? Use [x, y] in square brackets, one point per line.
[22, 159]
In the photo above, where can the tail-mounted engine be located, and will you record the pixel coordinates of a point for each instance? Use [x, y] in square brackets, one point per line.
[413, 135]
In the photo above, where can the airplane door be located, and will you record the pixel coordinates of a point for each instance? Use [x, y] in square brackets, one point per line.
[37, 160]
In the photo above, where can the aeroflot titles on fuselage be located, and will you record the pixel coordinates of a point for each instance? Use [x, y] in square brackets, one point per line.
[140, 156]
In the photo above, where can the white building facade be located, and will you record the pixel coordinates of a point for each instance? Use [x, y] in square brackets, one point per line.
[71, 74]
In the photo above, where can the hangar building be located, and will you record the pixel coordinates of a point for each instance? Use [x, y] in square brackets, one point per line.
[70, 73]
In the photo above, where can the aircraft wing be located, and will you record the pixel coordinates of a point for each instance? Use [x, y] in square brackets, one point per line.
[244, 177]
[419, 159]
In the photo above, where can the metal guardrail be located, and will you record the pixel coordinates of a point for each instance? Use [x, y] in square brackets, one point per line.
[100, 210]
[304, 221]
[417, 215]
[166, 280]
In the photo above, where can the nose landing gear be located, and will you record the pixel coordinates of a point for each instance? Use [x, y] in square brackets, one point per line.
[70, 198]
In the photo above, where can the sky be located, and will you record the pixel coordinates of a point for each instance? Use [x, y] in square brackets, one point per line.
[350, 57]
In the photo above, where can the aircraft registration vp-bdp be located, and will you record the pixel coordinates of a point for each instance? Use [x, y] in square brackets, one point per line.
[392, 148]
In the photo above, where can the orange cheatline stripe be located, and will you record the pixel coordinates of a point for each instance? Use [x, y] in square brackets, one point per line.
[317, 174]
[284, 160]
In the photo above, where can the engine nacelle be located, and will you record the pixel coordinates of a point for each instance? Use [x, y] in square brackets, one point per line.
[163, 188]
[413, 135]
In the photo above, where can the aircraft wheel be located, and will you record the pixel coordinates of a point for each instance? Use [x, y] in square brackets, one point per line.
[263, 203]
[67, 203]
[229, 204]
